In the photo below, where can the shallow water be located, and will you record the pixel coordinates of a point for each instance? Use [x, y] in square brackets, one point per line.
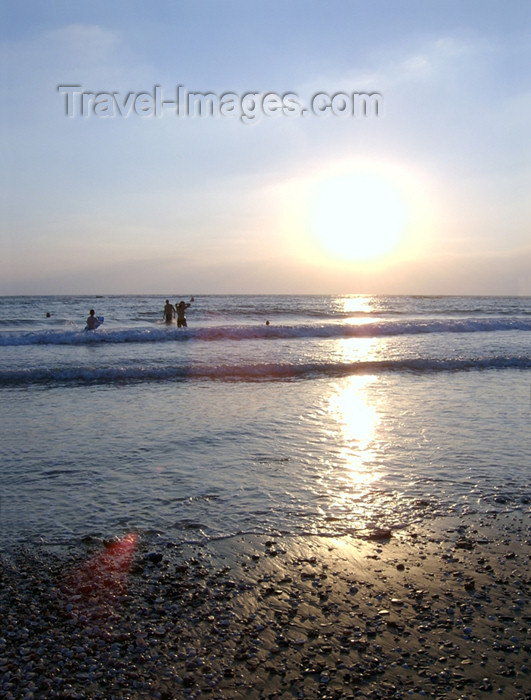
[221, 429]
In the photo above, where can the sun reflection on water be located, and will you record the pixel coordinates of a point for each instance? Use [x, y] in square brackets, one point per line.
[358, 421]
[357, 304]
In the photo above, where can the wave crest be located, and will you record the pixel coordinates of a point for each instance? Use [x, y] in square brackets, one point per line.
[255, 372]
[252, 332]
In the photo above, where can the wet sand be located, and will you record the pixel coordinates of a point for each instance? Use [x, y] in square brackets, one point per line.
[437, 610]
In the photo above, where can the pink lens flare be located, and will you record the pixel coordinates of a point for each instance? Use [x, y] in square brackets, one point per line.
[103, 578]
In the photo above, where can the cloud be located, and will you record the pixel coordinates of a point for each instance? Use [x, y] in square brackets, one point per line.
[84, 44]
[76, 48]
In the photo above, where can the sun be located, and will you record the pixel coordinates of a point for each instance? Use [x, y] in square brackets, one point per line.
[359, 216]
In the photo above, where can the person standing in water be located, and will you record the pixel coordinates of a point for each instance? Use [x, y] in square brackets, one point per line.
[181, 318]
[92, 321]
[169, 312]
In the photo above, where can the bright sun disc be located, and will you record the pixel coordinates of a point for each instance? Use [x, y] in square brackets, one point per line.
[358, 217]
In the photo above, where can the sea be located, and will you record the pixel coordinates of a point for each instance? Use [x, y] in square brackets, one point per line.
[275, 415]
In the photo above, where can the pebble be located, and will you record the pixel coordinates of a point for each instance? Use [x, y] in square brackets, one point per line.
[183, 627]
[380, 534]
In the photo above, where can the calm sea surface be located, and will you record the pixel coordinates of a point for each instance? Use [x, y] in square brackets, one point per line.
[342, 414]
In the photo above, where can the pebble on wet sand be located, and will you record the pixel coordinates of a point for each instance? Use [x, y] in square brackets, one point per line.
[318, 619]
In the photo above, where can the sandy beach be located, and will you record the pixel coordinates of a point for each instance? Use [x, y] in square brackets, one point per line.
[434, 610]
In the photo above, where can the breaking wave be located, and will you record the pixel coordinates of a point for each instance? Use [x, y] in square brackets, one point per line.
[253, 372]
[255, 332]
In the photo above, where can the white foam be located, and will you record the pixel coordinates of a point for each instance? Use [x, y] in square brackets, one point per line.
[263, 332]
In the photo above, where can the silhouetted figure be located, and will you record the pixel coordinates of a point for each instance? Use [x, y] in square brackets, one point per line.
[92, 321]
[169, 311]
[181, 310]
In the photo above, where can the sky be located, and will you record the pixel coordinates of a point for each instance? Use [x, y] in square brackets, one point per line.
[289, 186]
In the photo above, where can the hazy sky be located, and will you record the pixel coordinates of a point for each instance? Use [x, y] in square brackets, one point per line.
[431, 196]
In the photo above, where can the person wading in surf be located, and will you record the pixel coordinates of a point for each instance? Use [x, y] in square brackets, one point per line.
[169, 312]
[181, 310]
[92, 321]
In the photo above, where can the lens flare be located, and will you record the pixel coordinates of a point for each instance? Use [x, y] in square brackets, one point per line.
[102, 578]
